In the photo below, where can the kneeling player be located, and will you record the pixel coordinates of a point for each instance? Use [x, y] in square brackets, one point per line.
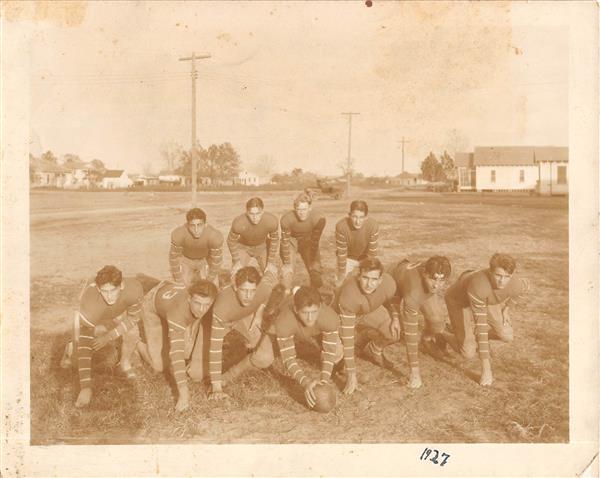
[478, 301]
[181, 310]
[366, 299]
[304, 317]
[240, 307]
[418, 289]
[109, 307]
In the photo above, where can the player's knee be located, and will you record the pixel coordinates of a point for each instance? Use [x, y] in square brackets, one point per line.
[196, 373]
[339, 353]
[468, 350]
[262, 357]
[506, 335]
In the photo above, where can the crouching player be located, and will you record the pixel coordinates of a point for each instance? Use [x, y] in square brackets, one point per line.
[478, 302]
[109, 307]
[366, 299]
[240, 307]
[301, 231]
[196, 250]
[178, 310]
[304, 317]
[418, 290]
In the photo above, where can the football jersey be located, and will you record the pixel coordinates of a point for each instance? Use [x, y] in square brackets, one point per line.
[357, 244]
[208, 246]
[93, 310]
[247, 234]
[307, 230]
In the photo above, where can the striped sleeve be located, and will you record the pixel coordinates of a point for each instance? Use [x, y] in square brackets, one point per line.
[348, 321]
[84, 351]
[341, 252]
[287, 349]
[175, 253]
[134, 314]
[273, 246]
[177, 350]
[373, 239]
[479, 309]
[315, 235]
[233, 245]
[286, 235]
[215, 260]
[329, 344]
[215, 354]
[410, 317]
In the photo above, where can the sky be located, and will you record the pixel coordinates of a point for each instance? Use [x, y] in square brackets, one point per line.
[108, 83]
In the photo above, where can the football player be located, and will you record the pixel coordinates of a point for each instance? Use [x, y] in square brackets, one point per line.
[478, 307]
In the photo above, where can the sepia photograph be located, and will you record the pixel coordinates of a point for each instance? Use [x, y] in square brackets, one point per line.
[348, 225]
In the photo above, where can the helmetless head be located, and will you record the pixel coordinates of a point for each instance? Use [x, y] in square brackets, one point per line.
[254, 210]
[502, 267]
[202, 294]
[245, 284]
[302, 205]
[196, 221]
[307, 304]
[109, 282]
[370, 275]
[435, 273]
[359, 211]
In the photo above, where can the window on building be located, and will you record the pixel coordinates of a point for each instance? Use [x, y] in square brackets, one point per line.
[493, 175]
[561, 175]
[465, 177]
[521, 175]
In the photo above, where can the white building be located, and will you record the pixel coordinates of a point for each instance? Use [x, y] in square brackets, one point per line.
[115, 178]
[171, 178]
[246, 178]
[514, 168]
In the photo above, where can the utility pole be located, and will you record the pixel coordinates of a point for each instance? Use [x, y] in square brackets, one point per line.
[193, 59]
[403, 141]
[349, 161]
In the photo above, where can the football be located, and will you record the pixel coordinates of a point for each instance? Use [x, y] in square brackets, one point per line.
[325, 397]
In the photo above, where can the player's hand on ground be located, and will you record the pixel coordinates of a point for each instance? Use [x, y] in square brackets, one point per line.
[351, 384]
[100, 341]
[84, 397]
[183, 402]
[309, 394]
[414, 380]
[395, 328]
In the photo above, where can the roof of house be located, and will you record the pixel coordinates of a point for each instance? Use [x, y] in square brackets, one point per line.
[463, 160]
[169, 172]
[518, 155]
[113, 173]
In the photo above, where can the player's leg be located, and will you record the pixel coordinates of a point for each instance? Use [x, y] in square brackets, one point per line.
[462, 339]
[287, 270]
[351, 266]
[188, 270]
[381, 321]
[312, 262]
[151, 348]
[499, 323]
[433, 314]
[66, 360]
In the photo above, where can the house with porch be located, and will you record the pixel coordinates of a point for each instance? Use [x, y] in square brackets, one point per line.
[115, 179]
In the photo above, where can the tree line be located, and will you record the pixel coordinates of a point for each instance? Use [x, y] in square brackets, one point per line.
[438, 170]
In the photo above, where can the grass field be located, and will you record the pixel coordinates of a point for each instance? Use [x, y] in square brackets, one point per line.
[74, 234]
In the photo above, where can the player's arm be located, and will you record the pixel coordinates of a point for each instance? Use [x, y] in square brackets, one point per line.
[373, 241]
[215, 355]
[175, 253]
[273, 244]
[348, 322]
[233, 239]
[86, 324]
[176, 330]
[341, 252]
[478, 304]
[287, 349]
[410, 319]
[286, 234]
[329, 342]
[215, 257]
[132, 317]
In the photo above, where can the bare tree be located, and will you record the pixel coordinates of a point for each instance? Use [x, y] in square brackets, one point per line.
[171, 153]
[264, 165]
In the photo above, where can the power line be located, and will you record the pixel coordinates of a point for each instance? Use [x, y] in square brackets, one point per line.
[349, 160]
[402, 142]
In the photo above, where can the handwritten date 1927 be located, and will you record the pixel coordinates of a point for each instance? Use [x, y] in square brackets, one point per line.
[433, 456]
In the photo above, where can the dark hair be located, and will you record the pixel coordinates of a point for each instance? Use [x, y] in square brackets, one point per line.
[306, 296]
[254, 202]
[109, 275]
[370, 264]
[203, 288]
[247, 274]
[437, 265]
[359, 205]
[195, 213]
[503, 261]
[302, 197]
